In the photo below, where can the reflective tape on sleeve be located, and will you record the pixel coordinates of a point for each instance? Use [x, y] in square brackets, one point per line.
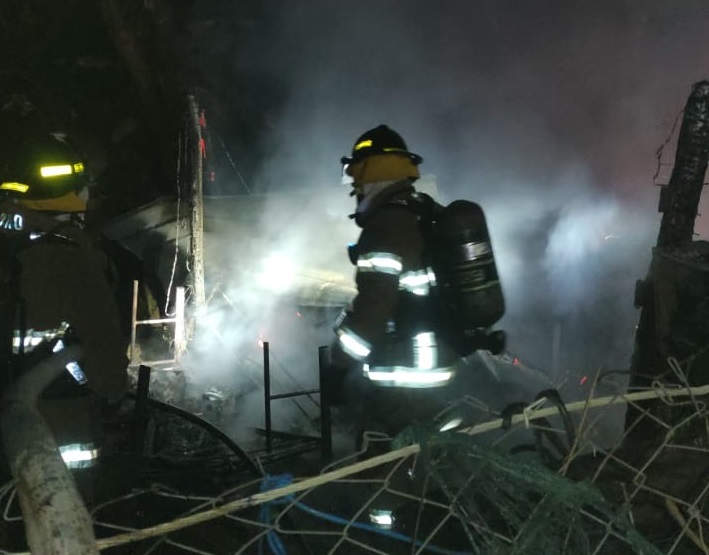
[382, 262]
[353, 344]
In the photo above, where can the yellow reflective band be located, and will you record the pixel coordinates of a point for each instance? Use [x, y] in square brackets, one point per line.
[354, 345]
[14, 186]
[417, 282]
[78, 167]
[425, 351]
[363, 144]
[54, 171]
[383, 262]
[403, 378]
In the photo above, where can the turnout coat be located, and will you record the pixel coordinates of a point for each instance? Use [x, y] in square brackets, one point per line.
[390, 326]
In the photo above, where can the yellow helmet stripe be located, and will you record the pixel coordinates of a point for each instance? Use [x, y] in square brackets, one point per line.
[363, 144]
[61, 169]
[54, 171]
[14, 186]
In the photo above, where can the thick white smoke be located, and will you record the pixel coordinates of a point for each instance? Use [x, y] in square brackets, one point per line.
[547, 114]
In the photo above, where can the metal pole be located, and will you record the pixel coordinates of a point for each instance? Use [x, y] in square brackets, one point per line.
[141, 408]
[267, 394]
[180, 341]
[133, 322]
[325, 414]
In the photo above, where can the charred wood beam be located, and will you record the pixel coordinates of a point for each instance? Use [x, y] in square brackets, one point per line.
[668, 297]
[680, 200]
[56, 519]
[197, 210]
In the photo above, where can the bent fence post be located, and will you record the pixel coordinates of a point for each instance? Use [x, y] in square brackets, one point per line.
[56, 519]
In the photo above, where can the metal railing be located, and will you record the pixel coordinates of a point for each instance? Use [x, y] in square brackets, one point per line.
[325, 438]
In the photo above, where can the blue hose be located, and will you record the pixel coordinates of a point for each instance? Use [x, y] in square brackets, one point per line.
[276, 545]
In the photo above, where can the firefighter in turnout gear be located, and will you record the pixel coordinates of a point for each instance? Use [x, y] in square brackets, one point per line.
[53, 282]
[389, 327]
[390, 367]
[389, 364]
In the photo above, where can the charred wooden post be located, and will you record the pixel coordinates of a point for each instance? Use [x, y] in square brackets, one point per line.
[325, 408]
[674, 297]
[141, 408]
[197, 210]
[56, 519]
[679, 201]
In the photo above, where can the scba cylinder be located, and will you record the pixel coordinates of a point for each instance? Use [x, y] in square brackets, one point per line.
[471, 277]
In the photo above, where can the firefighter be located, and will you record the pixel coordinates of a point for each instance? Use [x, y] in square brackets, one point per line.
[389, 364]
[54, 281]
[389, 330]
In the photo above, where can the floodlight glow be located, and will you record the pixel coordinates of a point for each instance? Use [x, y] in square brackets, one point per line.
[277, 273]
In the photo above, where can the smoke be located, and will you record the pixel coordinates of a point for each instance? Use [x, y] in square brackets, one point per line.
[547, 114]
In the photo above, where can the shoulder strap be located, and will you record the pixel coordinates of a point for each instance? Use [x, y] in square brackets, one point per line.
[421, 204]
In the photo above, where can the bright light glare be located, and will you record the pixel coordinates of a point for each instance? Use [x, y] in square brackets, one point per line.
[381, 517]
[277, 273]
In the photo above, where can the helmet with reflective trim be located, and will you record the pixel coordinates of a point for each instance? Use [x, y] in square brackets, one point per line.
[380, 140]
[37, 165]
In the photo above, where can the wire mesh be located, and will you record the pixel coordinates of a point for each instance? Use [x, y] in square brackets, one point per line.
[480, 488]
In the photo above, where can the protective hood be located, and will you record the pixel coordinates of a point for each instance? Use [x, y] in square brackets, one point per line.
[375, 195]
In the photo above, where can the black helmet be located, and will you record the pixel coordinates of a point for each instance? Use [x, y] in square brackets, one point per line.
[380, 140]
[38, 165]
